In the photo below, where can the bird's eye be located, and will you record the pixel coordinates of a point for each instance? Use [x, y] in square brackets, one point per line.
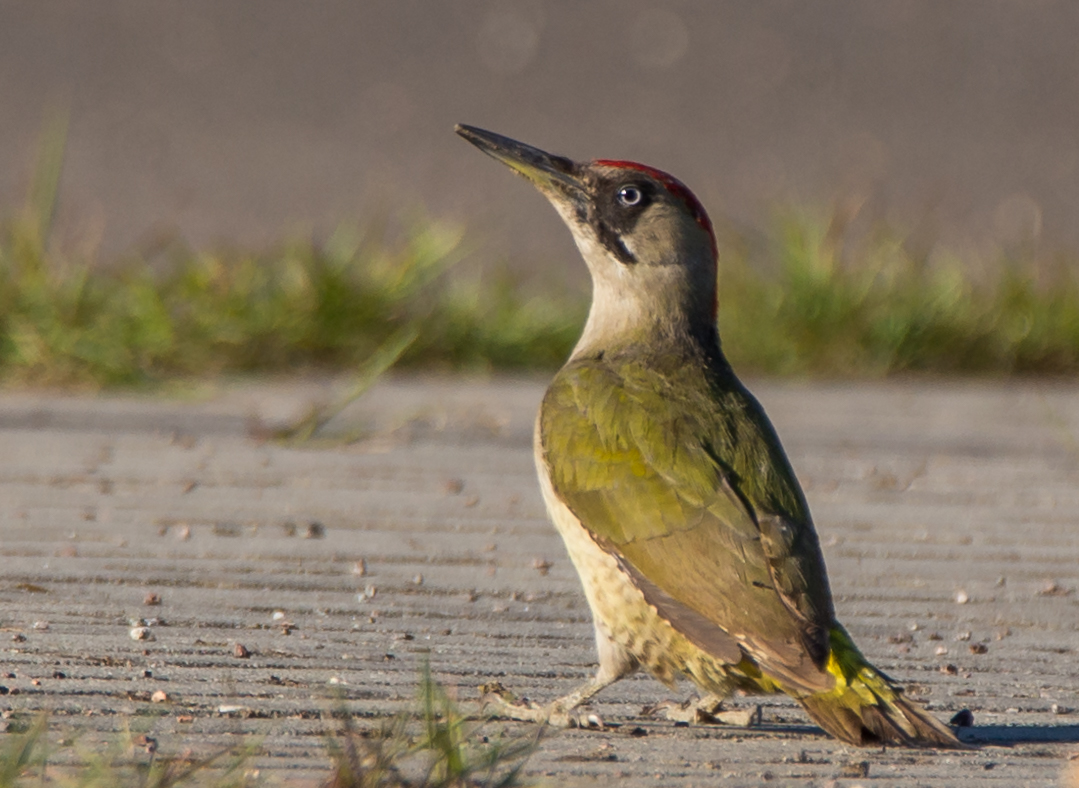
[629, 195]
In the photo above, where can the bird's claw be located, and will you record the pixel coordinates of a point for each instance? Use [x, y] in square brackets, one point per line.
[494, 692]
[574, 718]
[506, 704]
[707, 711]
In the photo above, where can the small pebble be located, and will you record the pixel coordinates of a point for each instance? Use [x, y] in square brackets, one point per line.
[963, 636]
[141, 633]
[963, 718]
[417, 580]
[159, 696]
[453, 486]
[227, 529]
[151, 599]
[854, 769]
[1052, 588]
[41, 625]
[979, 648]
[278, 615]
[314, 530]
[950, 669]
[240, 651]
[941, 651]
[541, 565]
[370, 591]
[961, 597]
[359, 568]
[1056, 708]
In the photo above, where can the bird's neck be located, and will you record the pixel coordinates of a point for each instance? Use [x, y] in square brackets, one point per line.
[670, 323]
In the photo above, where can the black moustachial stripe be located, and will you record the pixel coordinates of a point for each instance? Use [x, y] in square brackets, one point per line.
[612, 242]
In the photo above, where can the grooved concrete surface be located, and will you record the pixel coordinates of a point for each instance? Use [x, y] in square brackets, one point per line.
[924, 494]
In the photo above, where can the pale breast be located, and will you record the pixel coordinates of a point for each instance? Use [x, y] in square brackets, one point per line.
[620, 609]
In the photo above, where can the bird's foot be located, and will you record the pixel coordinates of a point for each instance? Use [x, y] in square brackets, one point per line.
[505, 704]
[703, 711]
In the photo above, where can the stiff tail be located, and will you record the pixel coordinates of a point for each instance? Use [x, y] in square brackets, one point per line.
[866, 709]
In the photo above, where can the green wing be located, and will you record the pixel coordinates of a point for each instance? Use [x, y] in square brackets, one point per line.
[679, 474]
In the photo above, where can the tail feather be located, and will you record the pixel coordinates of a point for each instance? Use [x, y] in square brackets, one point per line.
[865, 708]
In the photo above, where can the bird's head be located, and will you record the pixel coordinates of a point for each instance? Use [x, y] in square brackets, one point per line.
[646, 239]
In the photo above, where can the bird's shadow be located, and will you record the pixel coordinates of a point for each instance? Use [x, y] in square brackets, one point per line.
[978, 736]
[1011, 735]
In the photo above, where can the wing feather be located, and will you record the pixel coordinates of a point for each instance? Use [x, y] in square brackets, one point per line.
[682, 478]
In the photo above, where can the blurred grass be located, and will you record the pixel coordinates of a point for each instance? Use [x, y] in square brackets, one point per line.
[448, 751]
[68, 321]
[435, 746]
[179, 312]
[880, 308]
[805, 301]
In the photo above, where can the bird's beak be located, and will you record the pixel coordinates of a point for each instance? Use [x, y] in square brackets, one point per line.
[547, 172]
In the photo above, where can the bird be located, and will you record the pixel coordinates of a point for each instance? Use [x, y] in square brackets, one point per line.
[668, 484]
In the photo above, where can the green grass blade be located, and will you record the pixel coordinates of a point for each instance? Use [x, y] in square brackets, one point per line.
[376, 366]
[46, 182]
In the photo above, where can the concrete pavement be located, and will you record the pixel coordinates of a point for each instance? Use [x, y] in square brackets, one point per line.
[948, 514]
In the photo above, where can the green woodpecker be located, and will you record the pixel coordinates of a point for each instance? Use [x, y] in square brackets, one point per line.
[668, 484]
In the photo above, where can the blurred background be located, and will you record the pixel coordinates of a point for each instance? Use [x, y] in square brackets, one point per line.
[232, 123]
[240, 120]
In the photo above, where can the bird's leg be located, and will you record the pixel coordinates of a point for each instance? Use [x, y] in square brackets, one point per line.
[562, 713]
[704, 711]
[614, 663]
